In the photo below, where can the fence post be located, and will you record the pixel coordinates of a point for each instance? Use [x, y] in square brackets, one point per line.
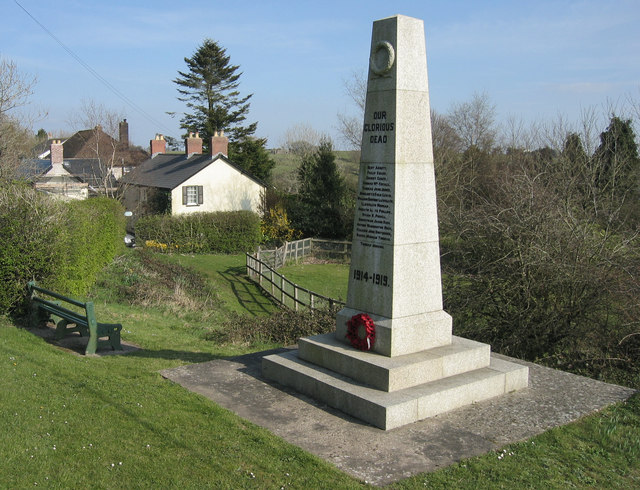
[295, 296]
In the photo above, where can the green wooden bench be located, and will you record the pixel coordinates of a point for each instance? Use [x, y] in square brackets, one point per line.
[43, 307]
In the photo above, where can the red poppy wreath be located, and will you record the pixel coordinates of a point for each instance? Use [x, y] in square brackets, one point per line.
[361, 331]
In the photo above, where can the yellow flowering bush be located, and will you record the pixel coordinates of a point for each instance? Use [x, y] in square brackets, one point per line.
[277, 227]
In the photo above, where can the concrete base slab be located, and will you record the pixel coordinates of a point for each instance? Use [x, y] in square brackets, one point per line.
[553, 398]
[388, 410]
[394, 373]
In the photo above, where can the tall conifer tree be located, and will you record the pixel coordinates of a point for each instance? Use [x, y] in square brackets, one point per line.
[210, 89]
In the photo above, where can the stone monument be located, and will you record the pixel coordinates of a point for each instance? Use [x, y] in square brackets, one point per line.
[393, 359]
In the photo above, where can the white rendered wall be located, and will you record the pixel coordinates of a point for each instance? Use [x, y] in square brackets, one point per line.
[224, 189]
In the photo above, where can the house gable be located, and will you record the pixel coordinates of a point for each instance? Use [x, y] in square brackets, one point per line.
[219, 186]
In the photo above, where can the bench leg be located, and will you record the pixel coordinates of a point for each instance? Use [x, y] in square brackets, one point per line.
[61, 328]
[114, 338]
[37, 317]
[92, 345]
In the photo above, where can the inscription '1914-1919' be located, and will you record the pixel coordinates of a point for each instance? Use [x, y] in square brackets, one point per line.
[380, 124]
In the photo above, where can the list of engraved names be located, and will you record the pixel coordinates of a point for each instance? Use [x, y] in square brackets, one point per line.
[375, 201]
[374, 222]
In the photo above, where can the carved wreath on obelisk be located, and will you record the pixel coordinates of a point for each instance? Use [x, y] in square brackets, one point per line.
[382, 58]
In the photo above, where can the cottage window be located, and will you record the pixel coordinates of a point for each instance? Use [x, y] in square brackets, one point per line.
[192, 195]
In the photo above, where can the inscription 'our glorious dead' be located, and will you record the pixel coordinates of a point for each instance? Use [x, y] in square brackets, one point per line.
[380, 126]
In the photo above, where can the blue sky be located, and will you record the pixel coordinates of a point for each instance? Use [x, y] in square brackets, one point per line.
[536, 60]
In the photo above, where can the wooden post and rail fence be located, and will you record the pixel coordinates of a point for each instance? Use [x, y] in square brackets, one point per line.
[262, 268]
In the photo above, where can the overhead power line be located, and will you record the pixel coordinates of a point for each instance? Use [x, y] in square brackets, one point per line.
[97, 75]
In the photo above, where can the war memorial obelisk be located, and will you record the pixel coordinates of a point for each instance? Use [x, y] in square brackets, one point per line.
[393, 359]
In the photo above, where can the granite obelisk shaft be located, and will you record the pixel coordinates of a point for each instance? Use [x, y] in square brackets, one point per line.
[395, 266]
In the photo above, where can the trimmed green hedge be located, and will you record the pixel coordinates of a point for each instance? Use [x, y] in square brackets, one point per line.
[30, 224]
[94, 235]
[220, 232]
[62, 245]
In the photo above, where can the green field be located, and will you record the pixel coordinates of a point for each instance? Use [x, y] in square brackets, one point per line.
[69, 421]
[329, 280]
[285, 172]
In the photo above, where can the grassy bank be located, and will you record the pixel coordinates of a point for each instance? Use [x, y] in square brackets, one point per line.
[69, 421]
[113, 422]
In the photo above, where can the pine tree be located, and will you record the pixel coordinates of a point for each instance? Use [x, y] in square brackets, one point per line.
[320, 180]
[321, 207]
[573, 150]
[252, 155]
[617, 158]
[210, 89]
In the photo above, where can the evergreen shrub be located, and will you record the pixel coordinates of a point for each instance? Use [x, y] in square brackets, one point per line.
[61, 245]
[92, 237]
[30, 224]
[219, 232]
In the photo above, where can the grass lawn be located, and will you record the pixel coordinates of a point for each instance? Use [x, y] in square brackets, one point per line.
[227, 273]
[69, 421]
[330, 280]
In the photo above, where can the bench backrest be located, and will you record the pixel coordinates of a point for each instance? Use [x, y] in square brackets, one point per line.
[31, 286]
[89, 316]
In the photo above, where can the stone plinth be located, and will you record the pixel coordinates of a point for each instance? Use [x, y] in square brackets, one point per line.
[415, 367]
[388, 410]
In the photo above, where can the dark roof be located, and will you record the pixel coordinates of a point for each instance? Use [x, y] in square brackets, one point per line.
[43, 148]
[86, 170]
[89, 170]
[32, 167]
[75, 147]
[167, 171]
[76, 142]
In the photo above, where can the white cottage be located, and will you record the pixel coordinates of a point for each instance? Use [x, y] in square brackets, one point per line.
[191, 182]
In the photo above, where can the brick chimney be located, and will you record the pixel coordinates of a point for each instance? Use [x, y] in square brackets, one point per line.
[158, 145]
[193, 144]
[123, 129]
[219, 144]
[57, 158]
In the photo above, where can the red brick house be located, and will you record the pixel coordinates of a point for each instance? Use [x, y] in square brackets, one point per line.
[116, 155]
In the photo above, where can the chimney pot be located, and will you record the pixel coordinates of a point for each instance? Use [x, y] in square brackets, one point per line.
[158, 145]
[193, 144]
[123, 128]
[219, 144]
[57, 157]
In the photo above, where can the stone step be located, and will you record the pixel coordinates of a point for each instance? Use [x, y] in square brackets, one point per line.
[399, 372]
[389, 410]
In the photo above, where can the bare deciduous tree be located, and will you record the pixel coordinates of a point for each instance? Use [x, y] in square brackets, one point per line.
[100, 120]
[350, 126]
[15, 140]
[301, 139]
[15, 88]
[474, 121]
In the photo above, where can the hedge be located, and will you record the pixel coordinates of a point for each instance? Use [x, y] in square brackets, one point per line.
[219, 232]
[62, 245]
[94, 235]
[29, 227]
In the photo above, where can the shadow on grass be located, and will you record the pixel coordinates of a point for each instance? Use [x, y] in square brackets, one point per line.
[248, 294]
